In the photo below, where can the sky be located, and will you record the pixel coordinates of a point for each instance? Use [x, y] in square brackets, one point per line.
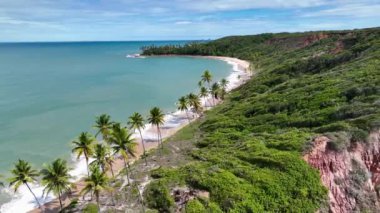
[120, 20]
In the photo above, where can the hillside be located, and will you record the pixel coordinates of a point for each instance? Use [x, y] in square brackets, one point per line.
[248, 151]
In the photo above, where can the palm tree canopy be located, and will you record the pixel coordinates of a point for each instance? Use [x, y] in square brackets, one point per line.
[206, 77]
[96, 182]
[156, 117]
[194, 100]
[136, 121]
[123, 141]
[200, 83]
[1, 183]
[196, 104]
[191, 97]
[182, 104]
[103, 123]
[56, 177]
[223, 83]
[22, 173]
[84, 145]
[100, 153]
[203, 92]
[215, 89]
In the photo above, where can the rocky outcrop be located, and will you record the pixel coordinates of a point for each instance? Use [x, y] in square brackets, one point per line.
[297, 41]
[352, 176]
[184, 194]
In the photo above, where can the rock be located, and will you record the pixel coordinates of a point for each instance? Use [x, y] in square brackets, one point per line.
[351, 176]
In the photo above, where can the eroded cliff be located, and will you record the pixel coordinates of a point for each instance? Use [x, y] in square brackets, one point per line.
[352, 175]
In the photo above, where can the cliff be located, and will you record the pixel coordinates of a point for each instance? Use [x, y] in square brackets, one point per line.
[352, 175]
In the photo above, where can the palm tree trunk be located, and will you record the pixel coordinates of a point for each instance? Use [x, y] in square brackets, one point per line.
[159, 132]
[88, 171]
[126, 169]
[142, 142]
[60, 201]
[187, 115]
[39, 205]
[141, 199]
[113, 175]
[97, 200]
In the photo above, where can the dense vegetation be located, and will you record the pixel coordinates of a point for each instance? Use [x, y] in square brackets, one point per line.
[249, 148]
[244, 155]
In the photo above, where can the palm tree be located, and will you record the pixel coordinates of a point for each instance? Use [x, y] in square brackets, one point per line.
[23, 174]
[156, 118]
[195, 103]
[109, 160]
[223, 84]
[203, 93]
[1, 182]
[183, 105]
[104, 125]
[100, 156]
[84, 146]
[123, 143]
[200, 83]
[136, 122]
[207, 77]
[96, 183]
[56, 179]
[215, 90]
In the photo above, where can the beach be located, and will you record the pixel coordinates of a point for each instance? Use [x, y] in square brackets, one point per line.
[173, 122]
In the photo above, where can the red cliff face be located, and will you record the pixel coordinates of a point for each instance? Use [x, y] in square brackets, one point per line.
[352, 176]
[314, 38]
[297, 42]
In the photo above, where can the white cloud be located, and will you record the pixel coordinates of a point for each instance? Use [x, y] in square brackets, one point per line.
[183, 22]
[352, 10]
[11, 21]
[225, 5]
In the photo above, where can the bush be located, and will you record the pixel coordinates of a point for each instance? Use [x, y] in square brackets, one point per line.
[339, 141]
[91, 208]
[71, 207]
[157, 196]
[194, 206]
[359, 135]
[334, 127]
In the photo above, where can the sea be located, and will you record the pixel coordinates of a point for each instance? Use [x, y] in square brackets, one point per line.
[51, 92]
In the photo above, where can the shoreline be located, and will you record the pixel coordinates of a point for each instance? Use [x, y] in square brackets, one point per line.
[174, 122]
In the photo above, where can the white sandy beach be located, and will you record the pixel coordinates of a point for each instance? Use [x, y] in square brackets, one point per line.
[173, 122]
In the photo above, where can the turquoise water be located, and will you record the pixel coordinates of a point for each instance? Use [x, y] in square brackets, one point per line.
[50, 92]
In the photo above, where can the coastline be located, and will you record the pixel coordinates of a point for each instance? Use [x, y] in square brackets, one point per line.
[173, 123]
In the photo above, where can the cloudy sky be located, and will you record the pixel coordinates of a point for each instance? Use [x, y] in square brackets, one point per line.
[92, 20]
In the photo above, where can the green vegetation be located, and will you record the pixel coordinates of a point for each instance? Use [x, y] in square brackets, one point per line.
[248, 155]
[157, 196]
[84, 147]
[23, 174]
[96, 183]
[156, 118]
[91, 208]
[56, 179]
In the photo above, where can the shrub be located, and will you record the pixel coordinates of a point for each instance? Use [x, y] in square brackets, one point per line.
[91, 208]
[359, 135]
[334, 127]
[157, 196]
[339, 141]
[194, 206]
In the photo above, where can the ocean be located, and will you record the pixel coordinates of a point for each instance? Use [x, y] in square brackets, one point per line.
[50, 92]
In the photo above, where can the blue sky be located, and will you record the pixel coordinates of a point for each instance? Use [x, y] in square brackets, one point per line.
[92, 20]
